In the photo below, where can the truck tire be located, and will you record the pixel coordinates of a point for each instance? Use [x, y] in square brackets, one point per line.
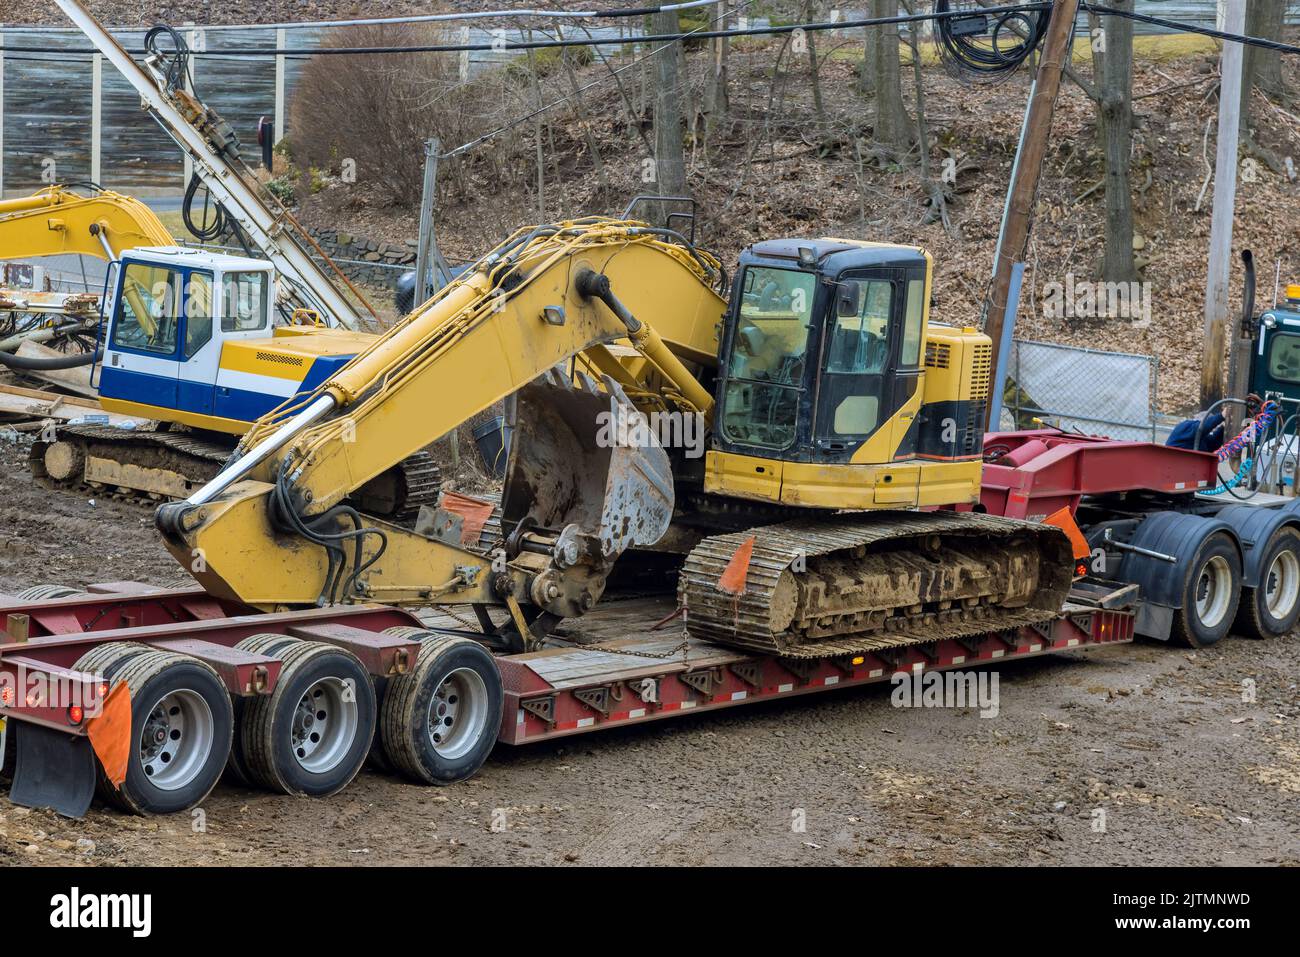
[1211, 592]
[47, 592]
[181, 727]
[377, 759]
[312, 733]
[439, 723]
[1272, 608]
[263, 644]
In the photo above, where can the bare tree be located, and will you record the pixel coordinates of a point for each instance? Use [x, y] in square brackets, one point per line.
[893, 127]
[715, 101]
[1113, 62]
[670, 154]
[1262, 69]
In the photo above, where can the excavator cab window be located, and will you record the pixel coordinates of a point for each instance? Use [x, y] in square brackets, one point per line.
[765, 370]
[243, 296]
[198, 313]
[149, 309]
[856, 355]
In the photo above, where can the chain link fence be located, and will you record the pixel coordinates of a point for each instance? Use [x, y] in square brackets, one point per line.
[1082, 390]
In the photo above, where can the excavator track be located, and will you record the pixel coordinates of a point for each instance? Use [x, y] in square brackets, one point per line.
[151, 466]
[851, 585]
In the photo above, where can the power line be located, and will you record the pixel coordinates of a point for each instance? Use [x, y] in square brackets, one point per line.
[600, 14]
[1182, 27]
[506, 45]
[613, 74]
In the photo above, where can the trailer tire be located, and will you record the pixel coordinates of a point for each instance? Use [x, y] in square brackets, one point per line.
[181, 727]
[263, 644]
[377, 759]
[1272, 608]
[47, 592]
[456, 682]
[311, 735]
[1211, 592]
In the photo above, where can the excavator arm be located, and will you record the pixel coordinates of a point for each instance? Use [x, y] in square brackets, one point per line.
[58, 220]
[539, 319]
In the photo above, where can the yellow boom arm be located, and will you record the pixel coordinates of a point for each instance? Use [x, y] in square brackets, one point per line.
[57, 220]
[571, 297]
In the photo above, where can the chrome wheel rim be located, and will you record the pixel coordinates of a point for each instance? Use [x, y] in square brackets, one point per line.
[325, 723]
[458, 713]
[1282, 584]
[1213, 591]
[176, 739]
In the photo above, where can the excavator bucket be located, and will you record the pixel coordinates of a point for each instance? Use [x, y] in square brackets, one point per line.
[585, 457]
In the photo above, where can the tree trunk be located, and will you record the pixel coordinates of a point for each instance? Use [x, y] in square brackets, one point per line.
[716, 101]
[893, 127]
[670, 155]
[814, 77]
[1262, 69]
[1115, 117]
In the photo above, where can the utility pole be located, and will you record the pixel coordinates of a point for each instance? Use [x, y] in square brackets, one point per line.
[1225, 196]
[424, 244]
[999, 309]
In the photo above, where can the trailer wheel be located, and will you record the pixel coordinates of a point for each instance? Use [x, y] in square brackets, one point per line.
[377, 759]
[263, 644]
[1272, 608]
[311, 734]
[47, 592]
[1211, 591]
[439, 722]
[181, 726]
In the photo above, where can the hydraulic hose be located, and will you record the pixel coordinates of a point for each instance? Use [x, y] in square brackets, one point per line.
[54, 362]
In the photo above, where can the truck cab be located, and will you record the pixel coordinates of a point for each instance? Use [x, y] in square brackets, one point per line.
[189, 336]
[1275, 360]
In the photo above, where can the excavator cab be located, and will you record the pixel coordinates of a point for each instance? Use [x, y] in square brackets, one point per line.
[188, 337]
[822, 394]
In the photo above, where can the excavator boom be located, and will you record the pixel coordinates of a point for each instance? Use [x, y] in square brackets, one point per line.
[540, 318]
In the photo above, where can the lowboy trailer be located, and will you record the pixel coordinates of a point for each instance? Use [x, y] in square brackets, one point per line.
[297, 701]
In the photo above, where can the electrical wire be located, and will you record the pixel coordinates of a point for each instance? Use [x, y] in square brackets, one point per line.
[508, 45]
[977, 44]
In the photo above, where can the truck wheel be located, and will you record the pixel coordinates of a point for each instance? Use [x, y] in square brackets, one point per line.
[1211, 591]
[181, 727]
[439, 722]
[377, 759]
[1272, 608]
[311, 734]
[263, 644]
[47, 592]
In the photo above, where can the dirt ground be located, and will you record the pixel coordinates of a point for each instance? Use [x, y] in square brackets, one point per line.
[1152, 743]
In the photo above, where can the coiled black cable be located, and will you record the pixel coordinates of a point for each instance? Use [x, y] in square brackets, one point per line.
[325, 531]
[987, 46]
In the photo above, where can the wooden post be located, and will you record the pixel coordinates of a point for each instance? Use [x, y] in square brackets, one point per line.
[1057, 48]
[281, 35]
[1225, 196]
[96, 117]
[2, 116]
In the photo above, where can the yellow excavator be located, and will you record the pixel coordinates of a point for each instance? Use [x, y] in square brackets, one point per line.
[829, 507]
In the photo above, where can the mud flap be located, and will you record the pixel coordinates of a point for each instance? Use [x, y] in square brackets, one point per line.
[53, 770]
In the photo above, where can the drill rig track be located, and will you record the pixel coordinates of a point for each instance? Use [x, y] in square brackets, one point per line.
[150, 466]
[853, 585]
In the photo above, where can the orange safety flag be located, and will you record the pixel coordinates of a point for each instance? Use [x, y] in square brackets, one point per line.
[1064, 520]
[110, 734]
[473, 512]
[732, 579]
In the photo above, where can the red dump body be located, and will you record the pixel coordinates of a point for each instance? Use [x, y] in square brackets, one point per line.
[1045, 470]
